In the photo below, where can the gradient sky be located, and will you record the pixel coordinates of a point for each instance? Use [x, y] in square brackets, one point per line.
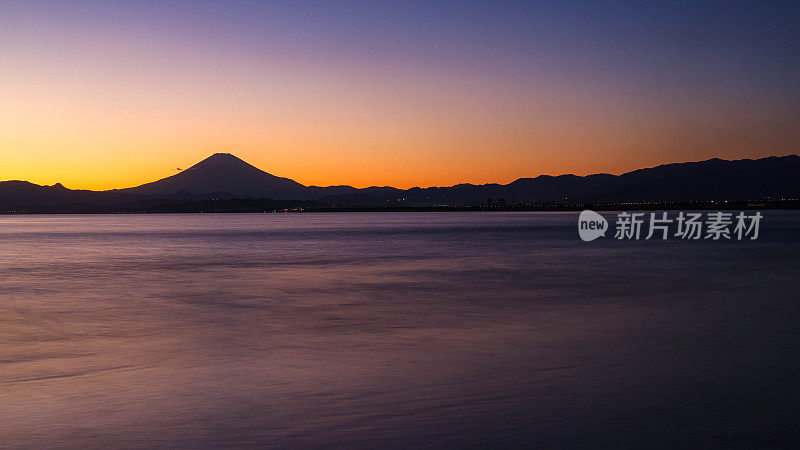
[114, 94]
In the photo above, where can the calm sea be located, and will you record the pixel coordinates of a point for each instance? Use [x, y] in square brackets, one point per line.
[393, 329]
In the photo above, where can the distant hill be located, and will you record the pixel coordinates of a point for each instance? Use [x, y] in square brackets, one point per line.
[223, 176]
[22, 193]
[714, 179]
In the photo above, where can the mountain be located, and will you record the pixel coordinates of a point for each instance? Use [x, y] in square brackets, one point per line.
[223, 177]
[16, 193]
[224, 173]
[715, 179]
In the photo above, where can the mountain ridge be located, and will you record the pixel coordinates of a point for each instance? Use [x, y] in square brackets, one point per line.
[225, 176]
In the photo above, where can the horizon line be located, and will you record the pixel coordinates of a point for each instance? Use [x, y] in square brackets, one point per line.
[412, 187]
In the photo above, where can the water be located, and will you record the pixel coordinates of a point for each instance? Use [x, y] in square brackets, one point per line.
[399, 329]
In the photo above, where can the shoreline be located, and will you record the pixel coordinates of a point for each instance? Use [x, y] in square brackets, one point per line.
[257, 206]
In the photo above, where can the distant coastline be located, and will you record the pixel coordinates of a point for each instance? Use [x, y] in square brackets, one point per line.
[225, 183]
[255, 206]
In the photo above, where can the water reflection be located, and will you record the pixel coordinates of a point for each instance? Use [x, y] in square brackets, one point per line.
[436, 329]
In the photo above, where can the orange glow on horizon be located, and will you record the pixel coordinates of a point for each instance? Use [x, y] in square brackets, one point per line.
[384, 131]
[116, 115]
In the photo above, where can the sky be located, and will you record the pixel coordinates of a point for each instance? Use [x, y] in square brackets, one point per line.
[101, 95]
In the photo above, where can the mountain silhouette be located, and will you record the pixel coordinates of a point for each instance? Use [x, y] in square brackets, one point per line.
[223, 173]
[715, 179]
[223, 177]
